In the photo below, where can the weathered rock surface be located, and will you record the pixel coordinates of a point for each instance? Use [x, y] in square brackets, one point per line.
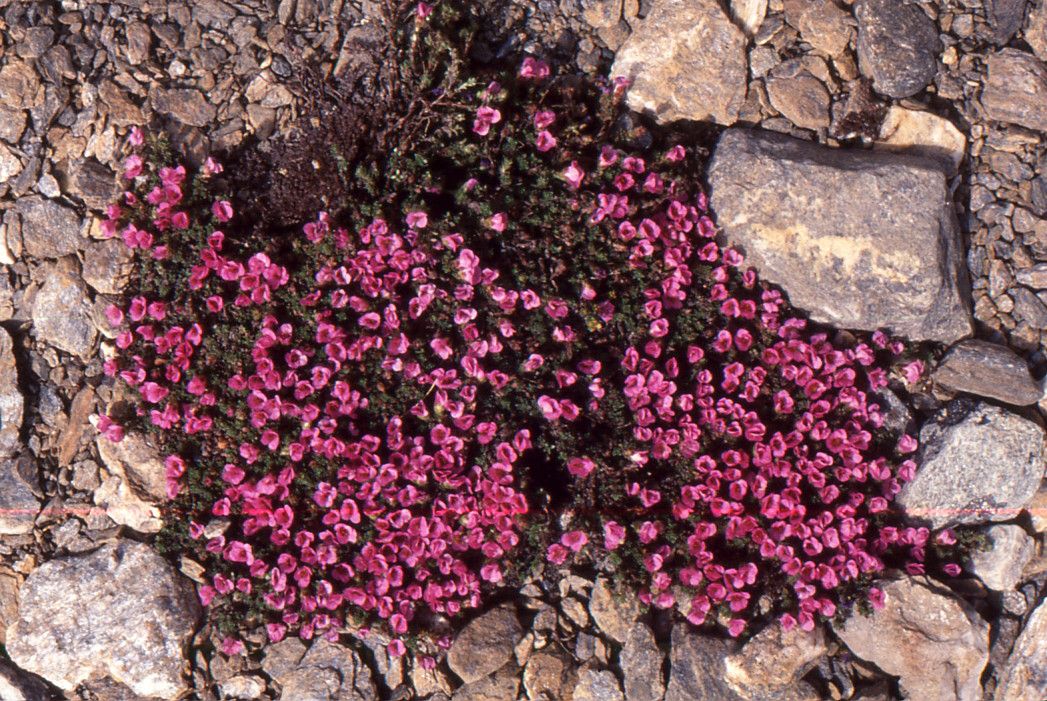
[19, 503]
[547, 674]
[979, 463]
[597, 685]
[1036, 30]
[1016, 89]
[696, 667]
[614, 611]
[20, 86]
[120, 611]
[324, 672]
[922, 134]
[503, 684]
[107, 265]
[773, 661]
[687, 61]
[49, 229]
[987, 370]
[1024, 678]
[641, 662]
[134, 485]
[799, 96]
[860, 240]
[898, 46]
[822, 24]
[485, 644]
[188, 106]
[1000, 566]
[934, 642]
[12, 405]
[62, 315]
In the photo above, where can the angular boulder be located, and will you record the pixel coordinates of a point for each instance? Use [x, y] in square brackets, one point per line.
[987, 370]
[1024, 677]
[686, 60]
[898, 46]
[935, 643]
[1016, 89]
[120, 611]
[859, 240]
[641, 661]
[12, 404]
[978, 463]
[485, 644]
[1000, 566]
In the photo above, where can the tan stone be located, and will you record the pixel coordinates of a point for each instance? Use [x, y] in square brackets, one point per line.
[686, 60]
[923, 134]
[774, 660]
[614, 610]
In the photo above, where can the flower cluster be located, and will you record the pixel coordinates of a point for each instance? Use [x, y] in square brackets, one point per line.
[363, 418]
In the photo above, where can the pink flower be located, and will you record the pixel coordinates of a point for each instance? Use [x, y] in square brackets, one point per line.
[544, 118]
[132, 167]
[417, 220]
[212, 167]
[545, 141]
[907, 444]
[534, 69]
[549, 407]
[396, 647]
[574, 175]
[913, 371]
[231, 646]
[613, 534]
[485, 117]
[580, 467]
[222, 210]
[422, 11]
[676, 154]
[556, 554]
[499, 221]
[135, 137]
[876, 597]
[575, 540]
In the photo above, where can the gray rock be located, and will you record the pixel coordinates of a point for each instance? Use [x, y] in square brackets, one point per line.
[687, 61]
[12, 124]
[601, 14]
[62, 313]
[641, 663]
[1036, 30]
[1035, 277]
[134, 485]
[11, 401]
[597, 685]
[188, 106]
[1000, 566]
[107, 265]
[613, 610]
[979, 463]
[20, 86]
[120, 611]
[898, 46]
[773, 661]
[546, 673]
[93, 183]
[1005, 18]
[987, 370]
[799, 96]
[1029, 308]
[17, 685]
[325, 672]
[500, 686]
[822, 24]
[933, 641]
[860, 240]
[49, 230]
[10, 165]
[19, 504]
[485, 644]
[1024, 677]
[696, 667]
[1016, 89]
[243, 686]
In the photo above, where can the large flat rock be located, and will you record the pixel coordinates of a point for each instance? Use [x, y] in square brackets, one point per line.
[858, 239]
[120, 611]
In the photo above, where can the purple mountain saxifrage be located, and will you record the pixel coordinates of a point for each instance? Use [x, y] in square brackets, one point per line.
[522, 344]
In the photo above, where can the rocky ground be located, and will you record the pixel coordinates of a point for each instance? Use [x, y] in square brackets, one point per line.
[898, 178]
